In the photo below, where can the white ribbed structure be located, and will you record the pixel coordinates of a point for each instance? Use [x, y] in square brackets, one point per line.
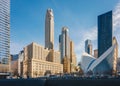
[102, 64]
[86, 60]
[102, 57]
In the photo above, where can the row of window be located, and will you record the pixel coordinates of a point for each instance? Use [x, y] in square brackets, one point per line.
[38, 67]
[5, 4]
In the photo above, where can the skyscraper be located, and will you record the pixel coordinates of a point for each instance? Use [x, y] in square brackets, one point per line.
[104, 32]
[72, 57]
[64, 43]
[88, 46]
[49, 29]
[4, 31]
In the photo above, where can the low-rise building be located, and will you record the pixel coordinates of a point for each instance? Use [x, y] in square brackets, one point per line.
[96, 53]
[20, 63]
[14, 65]
[38, 60]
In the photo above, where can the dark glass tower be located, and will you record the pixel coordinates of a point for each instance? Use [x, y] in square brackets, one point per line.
[88, 46]
[104, 32]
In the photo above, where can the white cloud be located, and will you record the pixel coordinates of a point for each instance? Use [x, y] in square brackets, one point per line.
[116, 22]
[116, 17]
[85, 34]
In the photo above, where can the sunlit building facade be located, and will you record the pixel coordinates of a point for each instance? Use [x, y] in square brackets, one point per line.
[96, 53]
[72, 57]
[20, 63]
[66, 65]
[115, 59]
[37, 60]
[49, 29]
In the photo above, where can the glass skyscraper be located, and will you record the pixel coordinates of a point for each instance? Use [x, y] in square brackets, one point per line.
[88, 46]
[4, 31]
[64, 42]
[104, 32]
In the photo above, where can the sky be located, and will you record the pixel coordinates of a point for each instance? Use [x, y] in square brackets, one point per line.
[80, 16]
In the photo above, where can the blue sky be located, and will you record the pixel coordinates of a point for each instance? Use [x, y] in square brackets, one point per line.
[80, 16]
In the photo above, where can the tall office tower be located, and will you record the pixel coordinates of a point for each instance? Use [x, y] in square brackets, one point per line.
[104, 32]
[4, 31]
[64, 42]
[72, 57]
[88, 46]
[49, 29]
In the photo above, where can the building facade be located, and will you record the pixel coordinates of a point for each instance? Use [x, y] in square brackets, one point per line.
[96, 53]
[14, 65]
[86, 61]
[104, 32]
[104, 65]
[38, 60]
[115, 59]
[4, 68]
[88, 46]
[49, 29]
[66, 48]
[64, 42]
[20, 63]
[72, 57]
[4, 31]
[66, 65]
